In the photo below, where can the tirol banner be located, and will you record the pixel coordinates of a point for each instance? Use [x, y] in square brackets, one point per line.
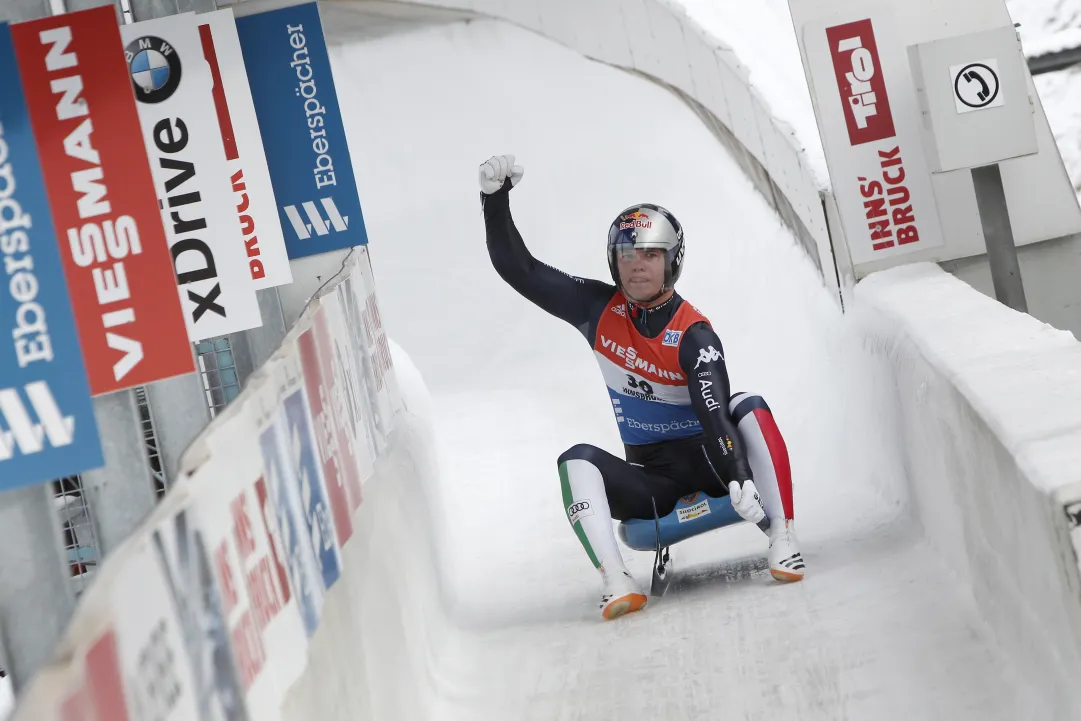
[253, 194]
[174, 93]
[47, 426]
[868, 119]
[293, 89]
[116, 261]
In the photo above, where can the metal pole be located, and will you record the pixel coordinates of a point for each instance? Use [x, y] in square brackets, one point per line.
[264, 341]
[998, 236]
[36, 597]
[14, 11]
[74, 6]
[121, 494]
[151, 9]
[179, 412]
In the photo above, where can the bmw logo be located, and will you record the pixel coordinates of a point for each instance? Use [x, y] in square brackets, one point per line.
[155, 68]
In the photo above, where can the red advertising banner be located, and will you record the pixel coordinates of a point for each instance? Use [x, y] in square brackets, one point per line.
[116, 260]
[345, 451]
[101, 695]
[340, 476]
[859, 78]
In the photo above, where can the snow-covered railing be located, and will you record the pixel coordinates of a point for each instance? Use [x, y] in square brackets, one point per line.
[990, 403]
[262, 587]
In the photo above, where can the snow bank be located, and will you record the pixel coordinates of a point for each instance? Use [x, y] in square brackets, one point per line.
[1053, 42]
[990, 402]
[1060, 94]
[375, 653]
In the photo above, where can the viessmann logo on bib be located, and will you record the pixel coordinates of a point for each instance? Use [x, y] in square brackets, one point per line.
[859, 78]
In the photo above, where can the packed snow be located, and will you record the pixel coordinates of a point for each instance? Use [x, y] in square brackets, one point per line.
[881, 628]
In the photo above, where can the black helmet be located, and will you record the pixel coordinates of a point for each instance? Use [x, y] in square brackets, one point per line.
[647, 226]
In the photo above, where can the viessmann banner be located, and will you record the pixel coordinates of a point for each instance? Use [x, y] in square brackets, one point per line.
[47, 427]
[291, 84]
[101, 192]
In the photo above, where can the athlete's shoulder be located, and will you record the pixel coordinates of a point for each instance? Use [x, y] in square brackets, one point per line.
[699, 342]
[615, 303]
[689, 315]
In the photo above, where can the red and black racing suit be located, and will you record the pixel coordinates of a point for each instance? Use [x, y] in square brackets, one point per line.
[661, 471]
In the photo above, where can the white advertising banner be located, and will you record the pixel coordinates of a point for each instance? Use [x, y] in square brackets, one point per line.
[173, 655]
[868, 118]
[187, 156]
[251, 558]
[357, 415]
[249, 176]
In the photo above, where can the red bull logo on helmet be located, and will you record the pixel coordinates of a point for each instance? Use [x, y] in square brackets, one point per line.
[637, 219]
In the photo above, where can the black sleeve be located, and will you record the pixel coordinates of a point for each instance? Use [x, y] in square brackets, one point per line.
[573, 299]
[702, 359]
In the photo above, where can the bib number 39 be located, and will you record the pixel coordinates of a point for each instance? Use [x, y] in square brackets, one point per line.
[643, 386]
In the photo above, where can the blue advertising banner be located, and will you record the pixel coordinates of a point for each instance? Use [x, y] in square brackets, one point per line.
[291, 84]
[47, 426]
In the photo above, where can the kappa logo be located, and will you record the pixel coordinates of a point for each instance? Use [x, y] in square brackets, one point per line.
[24, 432]
[316, 222]
[155, 68]
[671, 337]
[707, 355]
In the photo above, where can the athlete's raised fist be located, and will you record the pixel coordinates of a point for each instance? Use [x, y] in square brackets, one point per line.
[495, 171]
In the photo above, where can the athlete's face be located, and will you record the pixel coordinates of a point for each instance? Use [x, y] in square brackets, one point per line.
[641, 271]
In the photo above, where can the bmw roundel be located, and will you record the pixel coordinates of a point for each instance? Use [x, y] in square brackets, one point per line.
[155, 68]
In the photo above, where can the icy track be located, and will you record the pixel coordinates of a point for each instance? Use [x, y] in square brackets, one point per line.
[879, 629]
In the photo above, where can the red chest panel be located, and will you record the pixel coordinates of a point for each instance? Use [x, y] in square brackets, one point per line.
[655, 359]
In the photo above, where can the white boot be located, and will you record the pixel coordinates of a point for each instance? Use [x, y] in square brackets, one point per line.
[621, 595]
[785, 560]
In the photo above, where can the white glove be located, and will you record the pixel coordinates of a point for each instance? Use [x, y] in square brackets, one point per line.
[496, 170]
[746, 501]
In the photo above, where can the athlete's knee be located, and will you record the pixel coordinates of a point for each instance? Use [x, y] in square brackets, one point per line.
[579, 451]
[743, 404]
